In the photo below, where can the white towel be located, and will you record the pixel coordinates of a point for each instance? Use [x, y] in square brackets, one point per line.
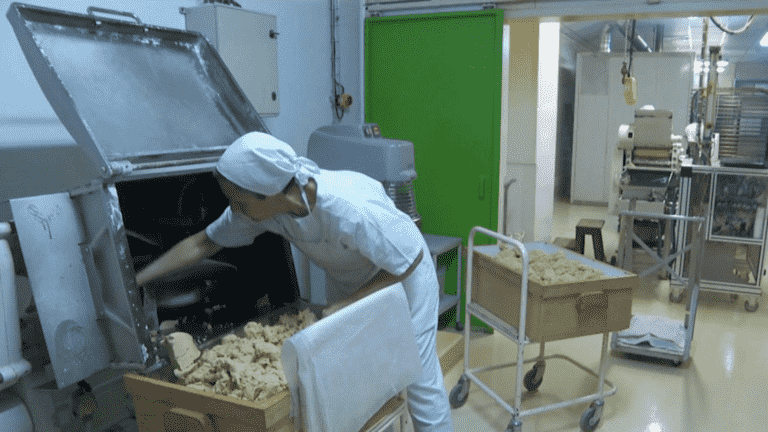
[342, 369]
[656, 331]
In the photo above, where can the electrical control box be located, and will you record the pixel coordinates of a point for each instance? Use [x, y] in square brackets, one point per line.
[247, 42]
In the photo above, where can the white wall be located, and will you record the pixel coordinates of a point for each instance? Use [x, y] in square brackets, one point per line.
[546, 127]
[532, 126]
[521, 119]
[565, 102]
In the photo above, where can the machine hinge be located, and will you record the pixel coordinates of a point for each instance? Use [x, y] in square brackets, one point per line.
[121, 168]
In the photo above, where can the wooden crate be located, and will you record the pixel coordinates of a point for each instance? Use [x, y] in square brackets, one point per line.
[554, 312]
[162, 406]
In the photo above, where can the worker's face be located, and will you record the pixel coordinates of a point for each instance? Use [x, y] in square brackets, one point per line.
[248, 205]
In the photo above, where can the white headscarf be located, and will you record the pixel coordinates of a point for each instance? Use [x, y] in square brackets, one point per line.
[263, 164]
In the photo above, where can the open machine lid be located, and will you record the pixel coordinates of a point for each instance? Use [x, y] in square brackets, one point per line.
[131, 93]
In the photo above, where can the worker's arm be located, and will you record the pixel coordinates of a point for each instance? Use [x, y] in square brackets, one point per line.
[185, 253]
[380, 280]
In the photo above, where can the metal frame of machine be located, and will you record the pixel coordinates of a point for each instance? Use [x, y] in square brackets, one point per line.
[746, 273]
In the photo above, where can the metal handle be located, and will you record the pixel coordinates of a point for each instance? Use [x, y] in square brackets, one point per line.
[596, 299]
[181, 419]
[103, 310]
[92, 9]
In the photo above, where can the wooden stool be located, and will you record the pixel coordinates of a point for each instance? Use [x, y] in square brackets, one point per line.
[594, 228]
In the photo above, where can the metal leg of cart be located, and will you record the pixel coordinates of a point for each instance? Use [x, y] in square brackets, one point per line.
[533, 379]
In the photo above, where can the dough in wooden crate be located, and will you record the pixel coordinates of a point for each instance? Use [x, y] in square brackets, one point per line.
[548, 269]
[246, 367]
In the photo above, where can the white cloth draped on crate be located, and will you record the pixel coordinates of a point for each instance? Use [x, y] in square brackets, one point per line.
[342, 369]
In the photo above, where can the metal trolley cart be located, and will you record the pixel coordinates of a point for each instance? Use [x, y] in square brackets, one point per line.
[613, 301]
[678, 334]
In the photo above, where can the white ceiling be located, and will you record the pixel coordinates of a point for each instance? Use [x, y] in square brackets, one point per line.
[681, 34]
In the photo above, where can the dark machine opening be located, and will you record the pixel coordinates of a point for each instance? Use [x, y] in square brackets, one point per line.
[214, 299]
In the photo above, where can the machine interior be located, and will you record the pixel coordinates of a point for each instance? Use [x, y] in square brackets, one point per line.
[160, 212]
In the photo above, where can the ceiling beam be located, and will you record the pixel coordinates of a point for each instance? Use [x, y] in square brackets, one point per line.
[585, 9]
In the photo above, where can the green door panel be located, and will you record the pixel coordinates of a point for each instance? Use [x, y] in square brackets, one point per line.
[435, 80]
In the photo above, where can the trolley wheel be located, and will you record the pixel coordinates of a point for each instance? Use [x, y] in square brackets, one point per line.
[613, 261]
[677, 363]
[515, 425]
[675, 298]
[589, 421]
[460, 393]
[530, 382]
[749, 308]
[459, 325]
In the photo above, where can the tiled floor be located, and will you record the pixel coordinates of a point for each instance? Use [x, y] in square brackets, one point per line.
[723, 387]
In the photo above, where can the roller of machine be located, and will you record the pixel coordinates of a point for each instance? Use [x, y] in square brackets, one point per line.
[649, 143]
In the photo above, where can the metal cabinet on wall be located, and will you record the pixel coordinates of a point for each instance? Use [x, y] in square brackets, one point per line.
[247, 42]
[664, 81]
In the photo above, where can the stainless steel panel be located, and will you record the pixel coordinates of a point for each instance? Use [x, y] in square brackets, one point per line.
[134, 92]
[50, 234]
[110, 271]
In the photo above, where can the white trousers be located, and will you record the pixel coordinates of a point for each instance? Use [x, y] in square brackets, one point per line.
[427, 397]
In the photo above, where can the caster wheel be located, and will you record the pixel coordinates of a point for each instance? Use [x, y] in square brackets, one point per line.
[530, 382]
[677, 363]
[752, 308]
[515, 426]
[589, 421]
[613, 261]
[675, 298]
[459, 394]
[459, 326]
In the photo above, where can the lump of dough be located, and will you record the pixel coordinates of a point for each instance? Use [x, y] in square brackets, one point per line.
[247, 368]
[548, 269]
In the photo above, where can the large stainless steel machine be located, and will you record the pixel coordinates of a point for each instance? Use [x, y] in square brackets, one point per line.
[151, 110]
